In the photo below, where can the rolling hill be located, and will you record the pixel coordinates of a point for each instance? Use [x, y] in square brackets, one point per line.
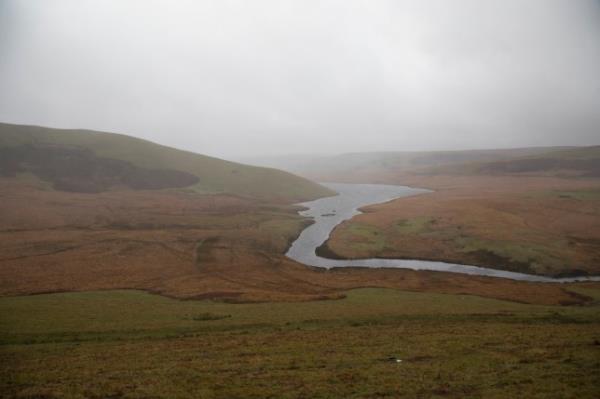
[381, 167]
[90, 161]
[386, 167]
[582, 162]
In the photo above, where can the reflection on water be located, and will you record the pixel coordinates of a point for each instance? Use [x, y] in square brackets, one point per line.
[331, 211]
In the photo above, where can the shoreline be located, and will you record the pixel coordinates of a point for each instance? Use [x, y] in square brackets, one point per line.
[325, 252]
[323, 256]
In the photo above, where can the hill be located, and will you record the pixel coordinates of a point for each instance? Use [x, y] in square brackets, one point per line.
[182, 244]
[381, 167]
[583, 162]
[90, 161]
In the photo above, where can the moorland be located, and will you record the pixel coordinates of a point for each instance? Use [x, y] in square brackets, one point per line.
[133, 270]
[534, 211]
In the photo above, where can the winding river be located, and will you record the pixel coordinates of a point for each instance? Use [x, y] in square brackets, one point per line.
[330, 211]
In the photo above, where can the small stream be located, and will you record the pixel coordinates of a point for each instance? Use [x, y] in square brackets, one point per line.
[330, 211]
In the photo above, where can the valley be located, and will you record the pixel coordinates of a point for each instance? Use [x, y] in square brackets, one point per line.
[283, 199]
[102, 276]
[526, 210]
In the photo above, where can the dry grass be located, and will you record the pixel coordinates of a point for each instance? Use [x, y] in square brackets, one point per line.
[128, 344]
[454, 338]
[190, 246]
[537, 225]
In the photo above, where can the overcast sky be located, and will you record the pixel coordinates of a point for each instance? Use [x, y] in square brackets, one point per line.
[240, 78]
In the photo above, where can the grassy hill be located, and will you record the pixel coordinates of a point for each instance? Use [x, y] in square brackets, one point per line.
[584, 162]
[106, 160]
[381, 166]
[385, 167]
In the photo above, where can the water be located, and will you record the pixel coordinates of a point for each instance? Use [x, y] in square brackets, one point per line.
[331, 211]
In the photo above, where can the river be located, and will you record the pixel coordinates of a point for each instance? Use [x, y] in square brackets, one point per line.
[330, 211]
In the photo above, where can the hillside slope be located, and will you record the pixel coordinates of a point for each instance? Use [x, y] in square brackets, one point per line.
[583, 162]
[382, 167]
[89, 161]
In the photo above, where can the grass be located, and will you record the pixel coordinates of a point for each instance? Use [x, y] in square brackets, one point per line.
[372, 239]
[216, 175]
[513, 255]
[364, 237]
[416, 225]
[582, 195]
[210, 317]
[130, 344]
[537, 225]
[537, 258]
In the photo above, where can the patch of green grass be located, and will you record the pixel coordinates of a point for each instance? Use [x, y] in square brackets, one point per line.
[416, 225]
[134, 312]
[364, 237]
[538, 257]
[131, 344]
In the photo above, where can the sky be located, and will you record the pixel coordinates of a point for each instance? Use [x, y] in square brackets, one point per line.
[258, 78]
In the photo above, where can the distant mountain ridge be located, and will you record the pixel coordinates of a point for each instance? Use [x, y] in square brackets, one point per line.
[576, 162]
[90, 161]
[382, 167]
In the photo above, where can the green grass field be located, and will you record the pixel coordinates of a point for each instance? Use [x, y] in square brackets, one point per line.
[130, 344]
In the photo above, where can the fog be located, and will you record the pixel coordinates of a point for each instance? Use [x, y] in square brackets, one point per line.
[245, 78]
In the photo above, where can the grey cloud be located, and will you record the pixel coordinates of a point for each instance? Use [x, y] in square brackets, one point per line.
[237, 78]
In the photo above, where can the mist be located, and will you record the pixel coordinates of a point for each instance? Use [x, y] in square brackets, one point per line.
[236, 79]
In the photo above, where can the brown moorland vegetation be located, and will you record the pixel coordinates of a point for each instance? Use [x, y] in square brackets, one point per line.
[539, 225]
[531, 210]
[186, 245]
[387, 167]
[219, 257]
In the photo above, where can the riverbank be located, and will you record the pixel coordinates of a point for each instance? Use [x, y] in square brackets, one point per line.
[219, 248]
[542, 226]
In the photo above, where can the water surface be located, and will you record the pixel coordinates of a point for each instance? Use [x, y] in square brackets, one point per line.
[331, 211]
